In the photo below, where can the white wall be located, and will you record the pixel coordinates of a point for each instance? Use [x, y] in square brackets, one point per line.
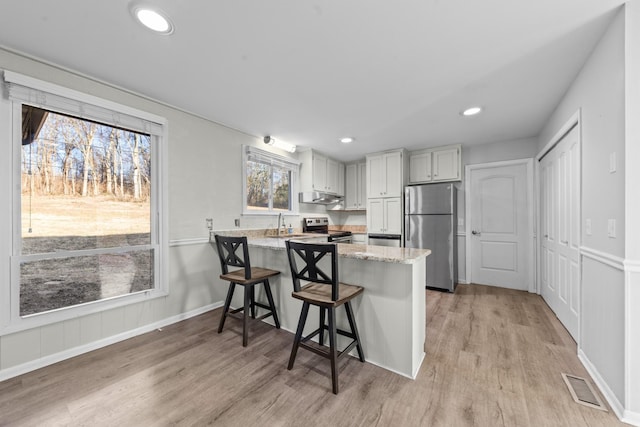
[599, 93]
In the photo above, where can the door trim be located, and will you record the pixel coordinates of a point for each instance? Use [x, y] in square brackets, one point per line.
[531, 285]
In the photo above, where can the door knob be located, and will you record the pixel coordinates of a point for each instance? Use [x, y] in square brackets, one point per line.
[475, 233]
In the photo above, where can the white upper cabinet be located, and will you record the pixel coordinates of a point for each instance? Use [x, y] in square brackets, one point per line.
[355, 186]
[447, 164]
[435, 165]
[385, 174]
[321, 173]
[420, 167]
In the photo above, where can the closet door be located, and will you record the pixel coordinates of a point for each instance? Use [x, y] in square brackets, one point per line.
[560, 230]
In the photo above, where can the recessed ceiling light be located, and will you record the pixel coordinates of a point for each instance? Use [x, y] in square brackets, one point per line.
[472, 111]
[152, 19]
[346, 140]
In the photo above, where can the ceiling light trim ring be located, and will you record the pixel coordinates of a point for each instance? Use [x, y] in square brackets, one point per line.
[152, 18]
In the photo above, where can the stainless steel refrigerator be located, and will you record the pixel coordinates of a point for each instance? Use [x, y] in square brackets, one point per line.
[430, 222]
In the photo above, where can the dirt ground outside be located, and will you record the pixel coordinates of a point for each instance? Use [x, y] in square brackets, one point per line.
[61, 223]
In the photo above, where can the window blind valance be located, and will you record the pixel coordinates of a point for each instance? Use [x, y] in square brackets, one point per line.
[59, 99]
[260, 156]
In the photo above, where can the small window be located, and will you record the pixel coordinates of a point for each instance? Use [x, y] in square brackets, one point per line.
[269, 182]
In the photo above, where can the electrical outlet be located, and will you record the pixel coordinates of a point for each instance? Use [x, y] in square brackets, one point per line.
[237, 222]
[587, 227]
[460, 222]
[209, 223]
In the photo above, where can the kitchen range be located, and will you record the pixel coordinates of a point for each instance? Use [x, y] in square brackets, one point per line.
[320, 225]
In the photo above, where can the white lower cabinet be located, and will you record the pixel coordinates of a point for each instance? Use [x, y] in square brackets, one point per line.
[384, 215]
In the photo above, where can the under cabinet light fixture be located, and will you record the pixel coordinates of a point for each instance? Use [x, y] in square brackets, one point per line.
[269, 140]
[152, 18]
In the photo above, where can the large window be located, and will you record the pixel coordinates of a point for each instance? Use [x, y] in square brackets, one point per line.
[88, 214]
[269, 182]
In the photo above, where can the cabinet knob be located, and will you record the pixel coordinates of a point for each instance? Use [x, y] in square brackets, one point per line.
[475, 233]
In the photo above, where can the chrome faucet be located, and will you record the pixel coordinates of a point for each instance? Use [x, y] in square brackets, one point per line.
[278, 223]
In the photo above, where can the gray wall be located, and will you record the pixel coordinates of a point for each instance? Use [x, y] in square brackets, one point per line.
[599, 93]
[204, 182]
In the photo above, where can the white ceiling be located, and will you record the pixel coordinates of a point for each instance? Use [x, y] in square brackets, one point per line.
[389, 73]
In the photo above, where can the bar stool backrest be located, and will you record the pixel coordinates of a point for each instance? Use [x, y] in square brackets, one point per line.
[310, 255]
[228, 253]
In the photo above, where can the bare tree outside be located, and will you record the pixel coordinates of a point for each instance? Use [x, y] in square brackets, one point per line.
[85, 186]
[266, 182]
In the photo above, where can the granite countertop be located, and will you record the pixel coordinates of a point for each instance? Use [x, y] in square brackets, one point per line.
[357, 251]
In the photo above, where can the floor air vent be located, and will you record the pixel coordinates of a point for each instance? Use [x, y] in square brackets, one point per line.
[582, 392]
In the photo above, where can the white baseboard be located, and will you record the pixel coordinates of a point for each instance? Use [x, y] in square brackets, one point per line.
[632, 418]
[612, 400]
[32, 365]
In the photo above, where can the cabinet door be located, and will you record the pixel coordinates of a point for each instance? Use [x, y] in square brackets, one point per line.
[446, 164]
[351, 184]
[319, 172]
[375, 216]
[393, 174]
[340, 189]
[420, 167]
[376, 176]
[393, 215]
[333, 177]
[362, 186]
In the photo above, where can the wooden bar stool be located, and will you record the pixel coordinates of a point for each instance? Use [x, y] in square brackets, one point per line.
[246, 276]
[326, 292]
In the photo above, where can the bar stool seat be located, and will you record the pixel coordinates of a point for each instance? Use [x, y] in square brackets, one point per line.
[246, 276]
[326, 292]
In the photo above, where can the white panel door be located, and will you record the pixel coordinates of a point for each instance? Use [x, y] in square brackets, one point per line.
[501, 231]
[560, 230]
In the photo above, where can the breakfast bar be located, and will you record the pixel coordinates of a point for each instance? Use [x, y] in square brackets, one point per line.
[390, 314]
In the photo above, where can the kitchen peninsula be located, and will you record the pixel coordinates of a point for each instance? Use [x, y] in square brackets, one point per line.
[391, 314]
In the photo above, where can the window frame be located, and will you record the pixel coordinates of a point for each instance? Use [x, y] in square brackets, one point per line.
[96, 109]
[292, 164]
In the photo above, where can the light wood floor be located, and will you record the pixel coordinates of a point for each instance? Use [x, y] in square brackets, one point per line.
[494, 358]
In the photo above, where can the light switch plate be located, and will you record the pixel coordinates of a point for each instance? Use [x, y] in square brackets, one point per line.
[612, 162]
[611, 228]
[587, 227]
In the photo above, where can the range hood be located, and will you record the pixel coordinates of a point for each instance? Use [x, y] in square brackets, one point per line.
[318, 198]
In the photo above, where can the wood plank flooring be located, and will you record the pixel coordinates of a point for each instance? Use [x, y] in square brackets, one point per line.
[494, 358]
